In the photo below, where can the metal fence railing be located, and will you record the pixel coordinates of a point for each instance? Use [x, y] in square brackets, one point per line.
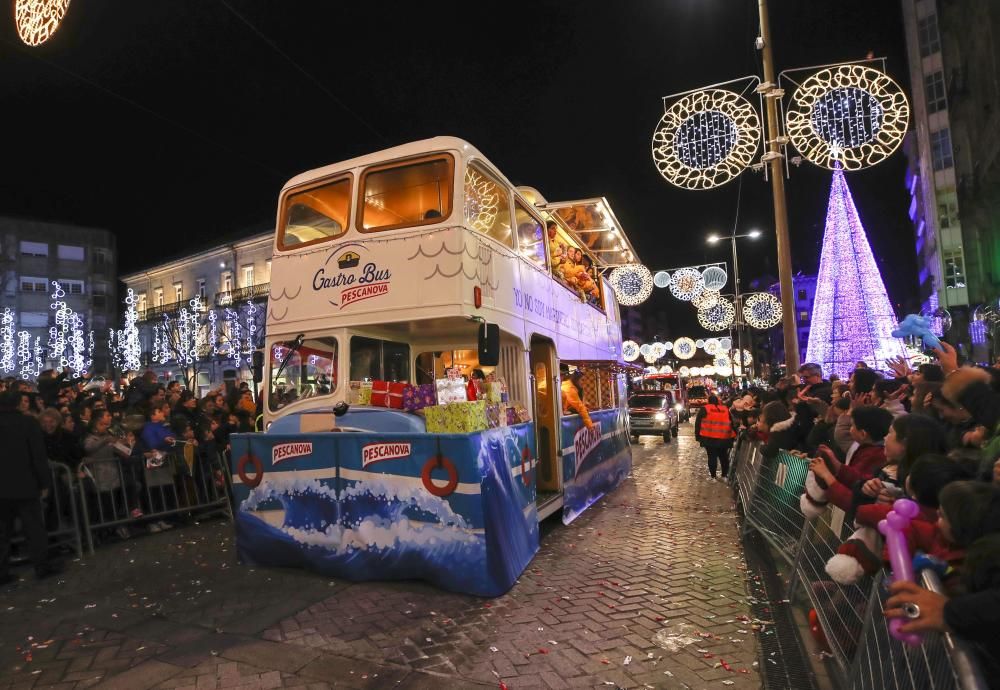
[850, 616]
[60, 513]
[113, 492]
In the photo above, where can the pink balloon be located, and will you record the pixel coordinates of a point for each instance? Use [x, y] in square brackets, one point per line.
[893, 527]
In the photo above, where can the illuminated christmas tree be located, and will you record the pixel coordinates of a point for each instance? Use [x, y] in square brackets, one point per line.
[852, 319]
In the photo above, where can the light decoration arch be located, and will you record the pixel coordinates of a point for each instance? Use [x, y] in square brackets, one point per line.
[762, 310]
[684, 348]
[686, 284]
[37, 20]
[717, 318]
[706, 139]
[848, 116]
[632, 284]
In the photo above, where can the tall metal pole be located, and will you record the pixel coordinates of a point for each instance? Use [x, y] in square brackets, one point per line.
[739, 328]
[778, 190]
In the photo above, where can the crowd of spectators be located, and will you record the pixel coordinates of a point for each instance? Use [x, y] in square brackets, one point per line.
[931, 434]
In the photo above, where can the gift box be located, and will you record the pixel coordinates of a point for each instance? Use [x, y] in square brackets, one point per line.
[512, 416]
[418, 397]
[493, 412]
[450, 390]
[364, 393]
[386, 394]
[456, 418]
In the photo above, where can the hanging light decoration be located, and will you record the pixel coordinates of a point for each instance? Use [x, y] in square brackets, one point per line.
[711, 346]
[726, 343]
[706, 300]
[645, 349]
[684, 371]
[686, 284]
[708, 370]
[745, 360]
[695, 371]
[661, 279]
[632, 284]
[669, 345]
[666, 369]
[717, 318]
[762, 310]
[684, 348]
[658, 349]
[724, 371]
[722, 360]
[630, 350]
[699, 343]
[37, 20]
[715, 278]
[650, 357]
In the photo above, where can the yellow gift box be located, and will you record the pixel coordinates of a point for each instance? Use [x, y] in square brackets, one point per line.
[456, 418]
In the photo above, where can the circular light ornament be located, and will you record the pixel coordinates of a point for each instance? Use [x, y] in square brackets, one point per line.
[722, 361]
[661, 279]
[724, 371]
[632, 284]
[669, 345]
[699, 343]
[717, 318]
[658, 349]
[650, 357]
[684, 348]
[695, 371]
[746, 359]
[708, 371]
[712, 346]
[726, 343]
[762, 310]
[666, 369]
[705, 139]
[850, 116]
[630, 350]
[37, 20]
[684, 371]
[651, 370]
[645, 349]
[686, 284]
[706, 300]
[715, 278]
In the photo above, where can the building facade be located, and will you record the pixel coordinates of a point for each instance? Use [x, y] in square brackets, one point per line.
[805, 294]
[953, 150]
[200, 316]
[83, 261]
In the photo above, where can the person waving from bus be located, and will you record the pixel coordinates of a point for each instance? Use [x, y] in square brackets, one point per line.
[713, 427]
[571, 399]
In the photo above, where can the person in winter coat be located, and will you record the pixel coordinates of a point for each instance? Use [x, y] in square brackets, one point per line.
[713, 427]
[26, 482]
[972, 389]
[571, 400]
[775, 428]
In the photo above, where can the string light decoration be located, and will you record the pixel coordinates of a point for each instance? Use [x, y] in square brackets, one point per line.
[708, 370]
[251, 329]
[37, 20]
[7, 362]
[39, 353]
[724, 371]
[705, 300]
[24, 355]
[715, 278]
[630, 350]
[717, 318]
[705, 139]
[686, 284]
[661, 279]
[852, 318]
[695, 371]
[128, 337]
[762, 310]
[711, 346]
[684, 348]
[632, 284]
[849, 116]
[482, 201]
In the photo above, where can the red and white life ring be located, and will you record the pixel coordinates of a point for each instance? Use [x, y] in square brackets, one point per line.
[449, 467]
[258, 469]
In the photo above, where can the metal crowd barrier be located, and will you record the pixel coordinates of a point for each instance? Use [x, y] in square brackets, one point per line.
[60, 513]
[112, 489]
[849, 615]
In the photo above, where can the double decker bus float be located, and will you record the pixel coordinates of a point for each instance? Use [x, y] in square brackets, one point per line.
[423, 314]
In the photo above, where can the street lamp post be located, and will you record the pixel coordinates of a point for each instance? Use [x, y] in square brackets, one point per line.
[732, 237]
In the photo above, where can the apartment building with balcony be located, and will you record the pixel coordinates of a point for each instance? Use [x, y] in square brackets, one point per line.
[84, 262]
[225, 278]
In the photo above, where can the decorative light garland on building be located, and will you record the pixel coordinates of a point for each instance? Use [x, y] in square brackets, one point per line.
[762, 310]
[37, 20]
[719, 317]
[482, 201]
[686, 284]
[632, 284]
[7, 362]
[251, 329]
[24, 356]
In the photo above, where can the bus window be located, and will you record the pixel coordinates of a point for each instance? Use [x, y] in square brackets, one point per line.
[530, 238]
[406, 194]
[380, 360]
[487, 205]
[573, 267]
[309, 371]
[316, 214]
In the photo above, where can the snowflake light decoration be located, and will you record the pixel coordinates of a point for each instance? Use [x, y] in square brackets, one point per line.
[661, 279]
[722, 361]
[658, 349]
[849, 116]
[650, 358]
[482, 200]
[686, 284]
[711, 346]
[715, 278]
[762, 310]
[717, 318]
[37, 20]
[632, 284]
[630, 350]
[684, 348]
[706, 139]
[706, 300]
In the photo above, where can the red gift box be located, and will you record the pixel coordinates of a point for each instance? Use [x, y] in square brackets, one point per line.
[385, 394]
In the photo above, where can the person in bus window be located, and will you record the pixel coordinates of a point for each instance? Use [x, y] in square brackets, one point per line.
[572, 401]
[432, 213]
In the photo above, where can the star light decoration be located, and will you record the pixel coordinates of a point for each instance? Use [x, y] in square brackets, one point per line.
[849, 116]
[37, 20]
[719, 317]
[630, 350]
[684, 348]
[632, 284]
[762, 310]
[706, 138]
[686, 284]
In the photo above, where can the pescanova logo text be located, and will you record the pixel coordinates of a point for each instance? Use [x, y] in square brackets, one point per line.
[287, 451]
[356, 282]
[374, 452]
[585, 441]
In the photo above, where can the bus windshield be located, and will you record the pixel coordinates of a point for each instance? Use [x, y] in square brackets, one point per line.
[309, 371]
[697, 392]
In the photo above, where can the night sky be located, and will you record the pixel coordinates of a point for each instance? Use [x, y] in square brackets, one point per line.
[174, 123]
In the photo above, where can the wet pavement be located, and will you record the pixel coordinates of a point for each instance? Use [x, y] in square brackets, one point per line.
[647, 589]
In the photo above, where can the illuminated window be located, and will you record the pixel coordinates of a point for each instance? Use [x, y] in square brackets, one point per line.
[178, 292]
[406, 194]
[316, 214]
[141, 305]
[935, 91]
[226, 281]
[306, 372]
[530, 236]
[487, 205]
[201, 288]
[29, 284]
[954, 270]
[158, 296]
[248, 275]
[72, 287]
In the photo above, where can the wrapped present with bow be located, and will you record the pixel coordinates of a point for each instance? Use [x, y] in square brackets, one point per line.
[457, 418]
[388, 394]
[418, 397]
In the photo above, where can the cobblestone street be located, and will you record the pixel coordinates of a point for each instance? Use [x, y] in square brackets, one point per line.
[646, 590]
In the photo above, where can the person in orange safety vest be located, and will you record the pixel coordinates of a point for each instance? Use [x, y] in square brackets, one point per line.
[713, 427]
[571, 401]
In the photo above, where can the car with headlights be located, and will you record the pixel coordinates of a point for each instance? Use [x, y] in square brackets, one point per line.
[653, 413]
